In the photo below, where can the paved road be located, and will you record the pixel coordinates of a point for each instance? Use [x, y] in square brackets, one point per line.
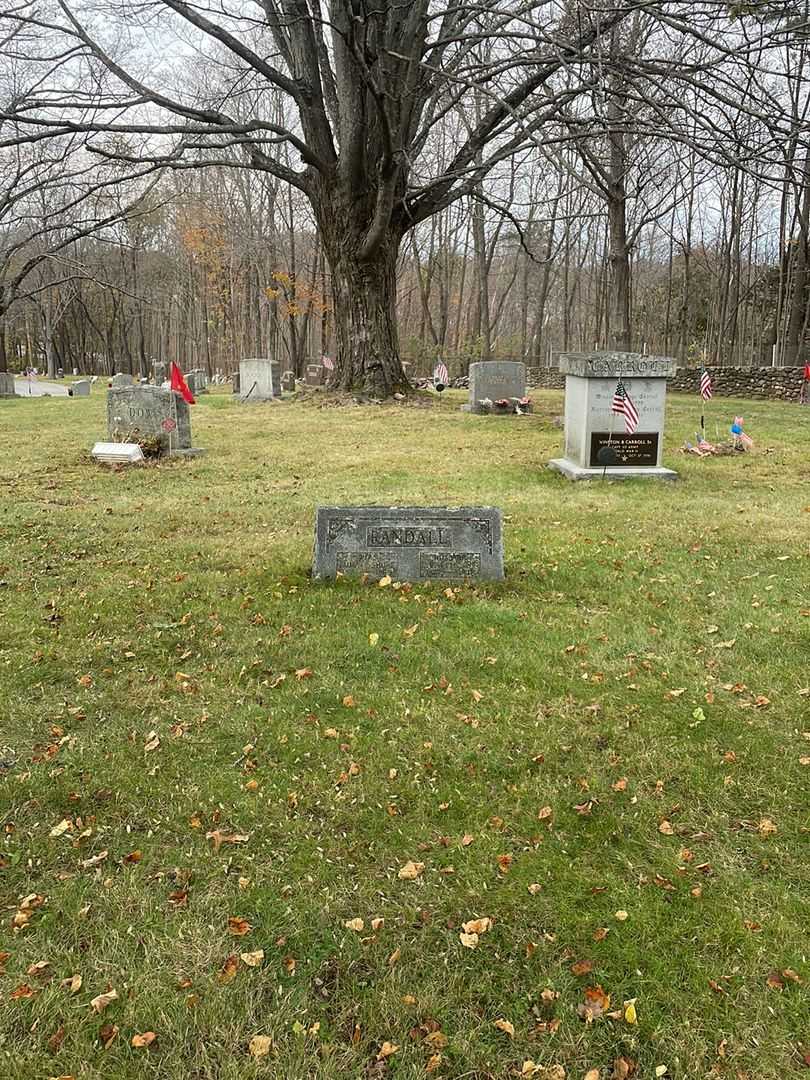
[40, 388]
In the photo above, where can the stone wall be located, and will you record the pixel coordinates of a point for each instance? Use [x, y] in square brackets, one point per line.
[761, 382]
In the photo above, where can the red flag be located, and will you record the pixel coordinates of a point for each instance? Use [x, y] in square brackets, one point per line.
[180, 385]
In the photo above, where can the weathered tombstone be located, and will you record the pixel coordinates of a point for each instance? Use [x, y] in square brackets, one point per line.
[259, 379]
[7, 385]
[288, 382]
[415, 543]
[407, 368]
[150, 412]
[121, 379]
[81, 388]
[159, 372]
[596, 442]
[315, 375]
[235, 382]
[197, 381]
[496, 380]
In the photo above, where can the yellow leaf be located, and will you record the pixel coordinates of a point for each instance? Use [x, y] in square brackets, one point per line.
[661, 1070]
[767, 827]
[665, 828]
[434, 1061]
[506, 1028]
[61, 828]
[387, 1048]
[384, 582]
[592, 1074]
[252, 959]
[469, 941]
[544, 813]
[260, 1045]
[373, 639]
[410, 871]
[140, 1041]
[355, 924]
[630, 1011]
[621, 916]
[535, 888]
[394, 957]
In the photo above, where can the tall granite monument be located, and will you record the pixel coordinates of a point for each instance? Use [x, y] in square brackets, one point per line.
[259, 379]
[596, 442]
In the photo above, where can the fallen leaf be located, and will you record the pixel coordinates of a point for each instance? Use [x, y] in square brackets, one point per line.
[22, 992]
[260, 1045]
[73, 984]
[152, 742]
[468, 838]
[100, 1003]
[132, 858]
[504, 863]
[387, 1048]
[596, 1004]
[506, 1028]
[394, 957]
[304, 673]
[410, 871]
[373, 639]
[228, 970]
[477, 926]
[56, 1040]
[39, 968]
[377, 924]
[592, 1074]
[146, 1039]
[218, 838]
[434, 1061]
[88, 864]
[238, 926]
[600, 933]
[582, 967]
[534, 888]
[59, 830]
[355, 924]
[666, 828]
[621, 916]
[107, 1034]
[252, 959]
[544, 813]
[630, 1011]
[766, 827]
[469, 941]
[619, 785]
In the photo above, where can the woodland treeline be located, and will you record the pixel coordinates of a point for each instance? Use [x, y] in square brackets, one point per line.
[662, 205]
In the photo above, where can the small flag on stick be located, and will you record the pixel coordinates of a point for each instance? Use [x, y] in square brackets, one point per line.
[705, 385]
[328, 363]
[623, 405]
[441, 376]
[179, 384]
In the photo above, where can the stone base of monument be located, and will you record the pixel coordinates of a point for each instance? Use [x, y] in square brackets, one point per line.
[8, 388]
[572, 471]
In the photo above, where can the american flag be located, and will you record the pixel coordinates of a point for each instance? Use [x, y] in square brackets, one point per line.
[623, 403]
[441, 374]
[328, 363]
[705, 385]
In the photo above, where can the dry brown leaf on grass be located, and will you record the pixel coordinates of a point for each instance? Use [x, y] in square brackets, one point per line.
[582, 967]
[411, 870]
[260, 1046]
[107, 1034]
[228, 970]
[252, 959]
[355, 924]
[386, 1050]
[477, 926]
[665, 828]
[144, 1040]
[469, 941]
[72, 984]
[218, 838]
[237, 926]
[592, 1074]
[100, 1003]
[506, 1027]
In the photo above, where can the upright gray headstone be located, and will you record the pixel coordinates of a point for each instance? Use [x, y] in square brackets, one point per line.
[159, 372]
[496, 380]
[411, 543]
[315, 375]
[122, 379]
[235, 382]
[138, 412]
[81, 388]
[288, 382]
[259, 379]
[596, 440]
[197, 381]
[7, 385]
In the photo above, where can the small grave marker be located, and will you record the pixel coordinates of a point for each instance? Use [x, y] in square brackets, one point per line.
[413, 543]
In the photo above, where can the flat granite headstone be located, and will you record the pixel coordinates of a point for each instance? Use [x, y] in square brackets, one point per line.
[197, 381]
[122, 379]
[81, 388]
[315, 375]
[596, 443]
[409, 543]
[495, 380]
[259, 379]
[136, 412]
[8, 387]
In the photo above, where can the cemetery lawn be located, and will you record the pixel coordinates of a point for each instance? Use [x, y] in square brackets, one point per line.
[206, 756]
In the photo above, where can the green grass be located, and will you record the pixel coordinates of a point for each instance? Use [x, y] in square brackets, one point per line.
[647, 631]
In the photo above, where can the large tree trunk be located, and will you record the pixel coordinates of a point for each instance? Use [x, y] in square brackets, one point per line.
[364, 301]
